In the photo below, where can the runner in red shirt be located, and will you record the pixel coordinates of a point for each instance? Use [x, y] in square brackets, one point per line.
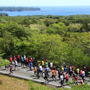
[18, 58]
[72, 68]
[76, 79]
[27, 61]
[31, 59]
[11, 59]
[81, 73]
[15, 58]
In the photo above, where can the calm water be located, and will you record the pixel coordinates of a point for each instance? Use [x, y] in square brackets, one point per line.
[53, 11]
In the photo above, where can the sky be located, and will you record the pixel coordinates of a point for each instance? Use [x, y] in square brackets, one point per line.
[44, 3]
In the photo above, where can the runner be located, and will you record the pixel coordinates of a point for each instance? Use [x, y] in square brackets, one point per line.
[54, 67]
[64, 65]
[82, 82]
[46, 64]
[35, 70]
[62, 79]
[24, 57]
[65, 69]
[27, 61]
[59, 73]
[11, 60]
[51, 65]
[44, 61]
[72, 68]
[46, 75]
[16, 64]
[41, 70]
[39, 63]
[73, 74]
[22, 61]
[34, 62]
[54, 74]
[30, 65]
[76, 80]
[77, 71]
[31, 59]
[64, 75]
[43, 64]
[18, 58]
[67, 77]
[62, 68]
[70, 71]
[85, 69]
[83, 75]
[15, 58]
[38, 71]
[11, 66]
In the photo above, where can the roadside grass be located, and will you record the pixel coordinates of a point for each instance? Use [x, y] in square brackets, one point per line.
[37, 86]
[81, 87]
[9, 83]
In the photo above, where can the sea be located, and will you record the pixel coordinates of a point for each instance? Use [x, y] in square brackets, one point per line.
[53, 10]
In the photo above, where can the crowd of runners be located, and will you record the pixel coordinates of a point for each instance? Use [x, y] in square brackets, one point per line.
[49, 70]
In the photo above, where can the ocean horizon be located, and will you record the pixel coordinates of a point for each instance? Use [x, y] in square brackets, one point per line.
[53, 10]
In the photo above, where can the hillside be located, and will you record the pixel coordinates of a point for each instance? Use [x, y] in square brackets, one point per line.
[57, 38]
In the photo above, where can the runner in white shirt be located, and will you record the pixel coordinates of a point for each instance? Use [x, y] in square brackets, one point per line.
[51, 65]
[16, 64]
[62, 79]
[83, 75]
[41, 70]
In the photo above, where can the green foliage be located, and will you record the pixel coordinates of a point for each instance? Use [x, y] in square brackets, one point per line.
[25, 22]
[51, 30]
[48, 22]
[36, 86]
[81, 87]
[59, 28]
[3, 62]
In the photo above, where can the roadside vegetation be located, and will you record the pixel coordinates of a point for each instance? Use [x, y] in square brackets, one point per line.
[9, 83]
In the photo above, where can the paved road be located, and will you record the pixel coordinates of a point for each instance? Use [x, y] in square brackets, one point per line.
[26, 74]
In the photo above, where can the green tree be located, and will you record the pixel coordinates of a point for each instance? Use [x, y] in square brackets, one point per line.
[59, 28]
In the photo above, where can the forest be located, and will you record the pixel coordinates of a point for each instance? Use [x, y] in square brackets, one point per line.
[3, 14]
[18, 8]
[57, 38]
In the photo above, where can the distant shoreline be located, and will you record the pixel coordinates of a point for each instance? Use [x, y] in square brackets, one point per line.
[19, 9]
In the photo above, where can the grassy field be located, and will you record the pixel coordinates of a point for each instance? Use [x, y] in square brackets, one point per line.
[9, 83]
